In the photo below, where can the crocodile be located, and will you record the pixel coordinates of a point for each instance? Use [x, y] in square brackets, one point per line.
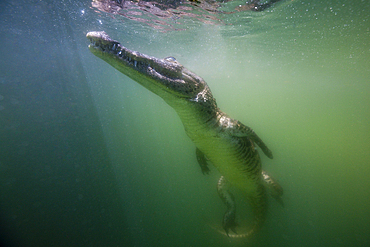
[220, 140]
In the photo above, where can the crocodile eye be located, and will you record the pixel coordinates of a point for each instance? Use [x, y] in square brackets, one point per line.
[170, 59]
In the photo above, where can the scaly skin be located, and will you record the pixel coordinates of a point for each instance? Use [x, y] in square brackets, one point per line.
[225, 142]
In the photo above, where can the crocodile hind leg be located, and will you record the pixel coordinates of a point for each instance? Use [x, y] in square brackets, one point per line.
[276, 191]
[258, 202]
[228, 221]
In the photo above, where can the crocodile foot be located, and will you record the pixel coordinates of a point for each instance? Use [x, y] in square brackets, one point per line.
[229, 223]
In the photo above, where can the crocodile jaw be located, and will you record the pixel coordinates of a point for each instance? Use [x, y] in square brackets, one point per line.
[164, 77]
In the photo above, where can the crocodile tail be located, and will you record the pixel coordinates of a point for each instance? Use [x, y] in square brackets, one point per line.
[258, 201]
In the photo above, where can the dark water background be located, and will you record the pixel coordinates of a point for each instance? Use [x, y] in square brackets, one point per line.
[89, 158]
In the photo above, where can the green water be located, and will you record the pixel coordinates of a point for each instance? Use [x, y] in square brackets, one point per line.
[125, 173]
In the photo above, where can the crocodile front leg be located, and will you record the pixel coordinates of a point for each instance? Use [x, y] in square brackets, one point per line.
[202, 161]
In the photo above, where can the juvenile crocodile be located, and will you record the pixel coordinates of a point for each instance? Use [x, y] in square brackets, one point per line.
[225, 142]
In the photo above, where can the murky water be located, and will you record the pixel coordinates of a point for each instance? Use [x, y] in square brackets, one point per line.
[90, 158]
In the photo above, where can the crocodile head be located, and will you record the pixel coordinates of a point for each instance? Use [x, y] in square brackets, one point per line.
[165, 77]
